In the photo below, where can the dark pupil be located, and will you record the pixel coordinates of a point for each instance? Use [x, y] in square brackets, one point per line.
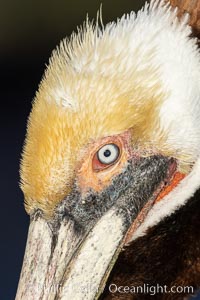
[107, 153]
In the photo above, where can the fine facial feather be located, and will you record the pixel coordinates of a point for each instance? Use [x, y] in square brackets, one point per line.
[131, 74]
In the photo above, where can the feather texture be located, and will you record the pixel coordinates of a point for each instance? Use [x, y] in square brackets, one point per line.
[141, 72]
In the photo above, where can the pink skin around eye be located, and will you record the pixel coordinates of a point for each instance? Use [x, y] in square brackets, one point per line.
[92, 174]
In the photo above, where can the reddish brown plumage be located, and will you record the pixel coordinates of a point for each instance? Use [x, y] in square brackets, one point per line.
[169, 254]
[193, 8]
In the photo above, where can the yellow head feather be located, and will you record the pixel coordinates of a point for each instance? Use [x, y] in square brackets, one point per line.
[98, 84]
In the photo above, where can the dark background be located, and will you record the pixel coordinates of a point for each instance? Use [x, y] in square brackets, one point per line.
[29, 31]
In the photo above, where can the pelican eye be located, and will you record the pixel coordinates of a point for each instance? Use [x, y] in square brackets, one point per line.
[108, 154]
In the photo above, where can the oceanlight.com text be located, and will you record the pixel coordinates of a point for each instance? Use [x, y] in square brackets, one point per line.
[150, 289]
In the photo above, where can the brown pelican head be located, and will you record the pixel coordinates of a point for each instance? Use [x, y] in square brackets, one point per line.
[112, 147]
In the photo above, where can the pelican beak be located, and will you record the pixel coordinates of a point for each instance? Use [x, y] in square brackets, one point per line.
[71, 256]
